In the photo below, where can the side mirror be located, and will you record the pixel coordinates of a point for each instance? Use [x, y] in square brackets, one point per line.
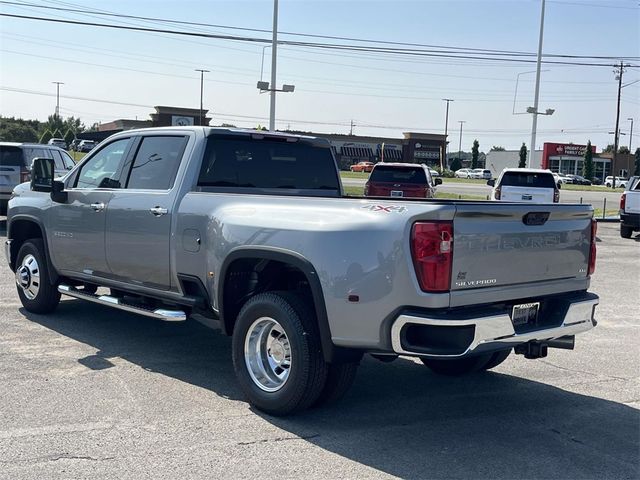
[58, 194]
[42, 174]
[492, 182]
[438, 181]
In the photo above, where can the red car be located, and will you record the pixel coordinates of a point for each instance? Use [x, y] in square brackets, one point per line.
[401, 180]
[362, 167]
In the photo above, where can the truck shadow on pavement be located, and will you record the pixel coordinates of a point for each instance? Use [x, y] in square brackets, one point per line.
[399, 418]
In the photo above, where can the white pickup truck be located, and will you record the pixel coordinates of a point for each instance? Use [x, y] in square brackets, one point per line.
[630, 208]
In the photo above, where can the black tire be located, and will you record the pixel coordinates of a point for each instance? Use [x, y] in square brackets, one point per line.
[90, 288]
[46, 297]
[308, 371]
[340, 377]
[626, 232]
[457, 366]
[496, 359]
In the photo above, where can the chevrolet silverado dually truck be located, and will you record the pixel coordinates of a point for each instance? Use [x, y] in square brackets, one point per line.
[251, 232]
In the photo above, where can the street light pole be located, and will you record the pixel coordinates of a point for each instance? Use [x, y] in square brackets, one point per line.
[446, 127]
[202, 72]
[58, 97]
[536, 97]
[630, 133]
[274, 58]
[616, 135]
[461, 122]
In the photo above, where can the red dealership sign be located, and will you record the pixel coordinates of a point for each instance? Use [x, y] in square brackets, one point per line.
[567, 149]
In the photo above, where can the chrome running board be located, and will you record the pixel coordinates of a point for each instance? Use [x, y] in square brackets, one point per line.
[109, 301]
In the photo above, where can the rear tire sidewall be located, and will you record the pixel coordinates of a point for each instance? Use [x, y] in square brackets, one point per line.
[625, 232]
[294, 394]
[48, 297]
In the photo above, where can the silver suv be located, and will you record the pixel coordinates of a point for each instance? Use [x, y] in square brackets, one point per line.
[15, 165]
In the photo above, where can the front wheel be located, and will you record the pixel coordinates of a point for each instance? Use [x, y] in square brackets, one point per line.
[277, 355]
[36, 292]
[626, 232]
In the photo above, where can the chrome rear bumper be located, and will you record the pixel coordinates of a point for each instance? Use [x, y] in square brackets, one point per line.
[494, 332]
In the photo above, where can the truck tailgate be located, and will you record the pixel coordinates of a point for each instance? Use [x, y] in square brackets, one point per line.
[632, 200]
[519, 244]
[525, 194]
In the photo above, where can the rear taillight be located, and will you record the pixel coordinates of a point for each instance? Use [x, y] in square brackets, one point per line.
[623, 201]
[366, 189]
[497, 193]
[592, 251]
[556, 195]
[25, 177]
[432, 252]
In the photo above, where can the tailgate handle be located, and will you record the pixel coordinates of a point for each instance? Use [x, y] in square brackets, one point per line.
[536, 218]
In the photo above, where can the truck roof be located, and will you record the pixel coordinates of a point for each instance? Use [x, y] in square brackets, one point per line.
[212, 131]
[527, 170]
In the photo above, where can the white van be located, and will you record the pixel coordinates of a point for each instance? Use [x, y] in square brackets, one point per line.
[525, 185]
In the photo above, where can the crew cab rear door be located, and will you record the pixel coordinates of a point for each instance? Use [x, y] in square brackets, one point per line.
[138, 225]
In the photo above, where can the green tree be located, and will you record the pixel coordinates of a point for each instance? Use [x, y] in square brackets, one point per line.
[475, 152]
[608, 149]
[637, 154]
[456, 164]
[624, 149]
[18, 130]
[497, 148]
[587, 165]
[522, 163]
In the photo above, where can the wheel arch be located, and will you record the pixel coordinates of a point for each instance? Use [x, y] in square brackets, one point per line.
[25, 227]
[288, 259]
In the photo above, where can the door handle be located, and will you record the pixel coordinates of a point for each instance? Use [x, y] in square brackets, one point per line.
[97, 207]
[158, 211]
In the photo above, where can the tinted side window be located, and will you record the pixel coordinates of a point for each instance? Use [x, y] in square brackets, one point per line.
[34, 152]
[398, 175]
[57, 160]
[103, 170]
[267, 164]
[528, 179]
[156, 162]
[67, 160]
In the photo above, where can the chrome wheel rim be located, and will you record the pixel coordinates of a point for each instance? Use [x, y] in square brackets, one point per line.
[267, 354]
[28, 276]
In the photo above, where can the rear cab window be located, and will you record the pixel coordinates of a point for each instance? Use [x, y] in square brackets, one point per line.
[395, 174]
[528, 179]
[265, 165]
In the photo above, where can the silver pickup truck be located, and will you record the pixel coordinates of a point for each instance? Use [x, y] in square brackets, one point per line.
[250, 232]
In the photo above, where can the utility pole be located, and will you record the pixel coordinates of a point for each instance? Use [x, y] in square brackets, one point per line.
[446, 128]
[58, 97]
[351, 128]
[461, 122]
[274, 59]
[616, 136]
[202, 72]
[536, 97]
[630, 133]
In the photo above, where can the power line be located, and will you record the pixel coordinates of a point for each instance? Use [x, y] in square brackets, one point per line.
[356, 48]
[308, 35]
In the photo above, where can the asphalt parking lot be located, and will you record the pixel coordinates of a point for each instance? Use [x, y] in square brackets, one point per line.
[89, 392]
